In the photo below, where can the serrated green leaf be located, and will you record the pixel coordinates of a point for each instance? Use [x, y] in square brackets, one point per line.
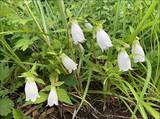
[4, 92]
[63, 96]
[6, 106]
[23, 44]
[57, 44]
[4, 72]
[38, 80]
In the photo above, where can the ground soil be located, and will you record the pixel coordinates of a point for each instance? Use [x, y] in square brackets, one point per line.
[112, 111]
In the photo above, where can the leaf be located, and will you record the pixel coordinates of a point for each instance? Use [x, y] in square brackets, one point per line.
[152, 111]
[58, 83]
[43, 97]
[17, 114]
[4, 72]
[69, 80]
[63, 96]
[23, 44]
[6, 106]
[4, 92]
[103, 57]
[17, 83]
[38, 80]
[57, 44]
[47, 88]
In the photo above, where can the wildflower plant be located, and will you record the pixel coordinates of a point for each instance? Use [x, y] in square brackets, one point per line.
[62, 52]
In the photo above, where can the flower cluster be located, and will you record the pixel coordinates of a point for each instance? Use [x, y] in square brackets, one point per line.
[31, 91]
[124, 62]
[104, 42]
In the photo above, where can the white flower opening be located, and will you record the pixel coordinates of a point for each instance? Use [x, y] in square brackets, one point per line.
[77, 33]
[124, 62]
[103, 40]
[137, 52]
[31, 90]
[52, 97]
[68, 63]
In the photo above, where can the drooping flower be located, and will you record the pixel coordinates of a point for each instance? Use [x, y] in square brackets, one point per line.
[88, 25]
[77, 33]
[31, 90]
[137, 51]
[52, 97]
[103, 39]
[68, 63]
[124, 62]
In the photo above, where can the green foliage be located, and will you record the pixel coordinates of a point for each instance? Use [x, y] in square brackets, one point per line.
[63, 96]
[42, 98]
[23, 44]
[4, 72]
[17, 114]
[6, 106]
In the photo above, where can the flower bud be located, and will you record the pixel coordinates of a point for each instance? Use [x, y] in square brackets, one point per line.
[88, 25]
[137, 52]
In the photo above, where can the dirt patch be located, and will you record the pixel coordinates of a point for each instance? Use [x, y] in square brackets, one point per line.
[113, 110]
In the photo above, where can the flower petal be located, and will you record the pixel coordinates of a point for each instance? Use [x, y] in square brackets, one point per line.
[103, 40]
[52, 98]
[124, 62]
[31, 91]
[137, 51]
[77, 33]
[68, 63]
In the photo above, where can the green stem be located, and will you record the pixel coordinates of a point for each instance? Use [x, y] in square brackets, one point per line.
[84, 95]
[61, 7]
[43, 20]
[140, 25]
[15, 57]
[106, 88]
[146, 85]
[38, 25]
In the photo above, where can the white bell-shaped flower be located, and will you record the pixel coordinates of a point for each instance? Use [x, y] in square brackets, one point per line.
[124, 61]
[31, 90]
[77, 33]
[68, 63]
[88, 25]
[137, 52]
[103, 39]
[52, 97]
